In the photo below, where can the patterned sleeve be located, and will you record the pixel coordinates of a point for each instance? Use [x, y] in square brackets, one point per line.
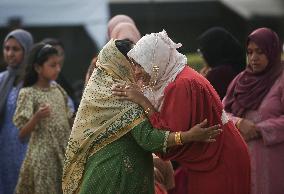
[24, 110]
[69, 103]
[149, 138]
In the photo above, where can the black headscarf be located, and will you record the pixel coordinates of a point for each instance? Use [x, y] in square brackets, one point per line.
[219, 47]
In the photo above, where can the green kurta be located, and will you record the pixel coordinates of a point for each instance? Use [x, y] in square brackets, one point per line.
[41, 170]
[126, 165]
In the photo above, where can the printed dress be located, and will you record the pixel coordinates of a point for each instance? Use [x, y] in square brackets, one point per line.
[41, 171]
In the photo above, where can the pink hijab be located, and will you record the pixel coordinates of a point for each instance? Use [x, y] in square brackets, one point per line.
[118, 19]
[249, 89]
[125, 31]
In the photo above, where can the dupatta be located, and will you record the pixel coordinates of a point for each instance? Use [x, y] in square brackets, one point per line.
[101, 118]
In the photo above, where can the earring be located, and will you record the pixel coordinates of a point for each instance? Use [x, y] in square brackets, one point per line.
[154, 78]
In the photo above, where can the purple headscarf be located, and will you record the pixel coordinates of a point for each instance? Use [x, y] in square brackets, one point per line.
[250, 88]
[25, 39]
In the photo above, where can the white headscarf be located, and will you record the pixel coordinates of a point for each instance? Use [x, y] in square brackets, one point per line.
[157, 54]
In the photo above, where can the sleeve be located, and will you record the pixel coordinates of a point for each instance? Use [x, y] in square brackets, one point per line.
[70, 108]
[149, 138]
[272, 129]
[24, 110]
[233, 118]
[175, 112]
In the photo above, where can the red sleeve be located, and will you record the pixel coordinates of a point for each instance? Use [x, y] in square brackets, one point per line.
[174, 114]
[186, 103]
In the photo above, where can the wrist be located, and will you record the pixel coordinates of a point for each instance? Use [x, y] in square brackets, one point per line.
[148, 109]
[238, 123]
[178, 138]
[36, 117]
[186, 137]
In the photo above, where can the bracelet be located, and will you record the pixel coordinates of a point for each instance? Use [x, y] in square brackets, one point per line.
[238, 123]
[178, 138]
[147, 111]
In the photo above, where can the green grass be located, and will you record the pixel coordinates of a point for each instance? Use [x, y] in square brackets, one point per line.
[195, 61]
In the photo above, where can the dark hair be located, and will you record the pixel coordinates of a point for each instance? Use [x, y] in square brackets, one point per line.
[219, 47]
[53, 42]
[124, 46]
[39, 54]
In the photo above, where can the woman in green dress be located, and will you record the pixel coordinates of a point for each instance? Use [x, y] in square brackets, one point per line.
[111, 143]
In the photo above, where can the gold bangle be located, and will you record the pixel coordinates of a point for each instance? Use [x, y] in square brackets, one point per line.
[178, 138]
[147, 111]
[238, 123]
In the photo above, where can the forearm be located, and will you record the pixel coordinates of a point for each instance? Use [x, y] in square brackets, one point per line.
[28, 127]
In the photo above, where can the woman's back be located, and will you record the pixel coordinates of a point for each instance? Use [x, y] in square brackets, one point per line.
[121, 165]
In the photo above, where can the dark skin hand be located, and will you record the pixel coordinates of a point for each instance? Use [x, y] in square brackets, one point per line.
[248, 129]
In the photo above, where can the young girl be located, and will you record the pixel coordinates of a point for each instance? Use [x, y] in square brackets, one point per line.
[42, 115]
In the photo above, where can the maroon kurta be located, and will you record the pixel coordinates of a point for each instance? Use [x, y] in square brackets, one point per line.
[222, 167]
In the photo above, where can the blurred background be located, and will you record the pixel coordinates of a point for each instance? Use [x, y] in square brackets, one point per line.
[82, 25]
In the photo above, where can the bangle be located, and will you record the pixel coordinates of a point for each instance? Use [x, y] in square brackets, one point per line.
[178, 138]
[238, 123]
[147, 111]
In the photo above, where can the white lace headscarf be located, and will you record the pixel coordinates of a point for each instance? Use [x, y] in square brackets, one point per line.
[157, 54]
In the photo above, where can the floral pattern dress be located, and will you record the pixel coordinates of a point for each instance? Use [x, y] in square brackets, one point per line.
[41, 171]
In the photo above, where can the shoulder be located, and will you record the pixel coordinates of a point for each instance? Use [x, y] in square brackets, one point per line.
[279, 82]
[26, 91]
[60, 88]
[187, 80]
[3, 74]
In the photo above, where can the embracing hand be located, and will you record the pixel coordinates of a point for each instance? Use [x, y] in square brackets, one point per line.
[201, 133]
[43, 111]
[248, 129]
[130, 92]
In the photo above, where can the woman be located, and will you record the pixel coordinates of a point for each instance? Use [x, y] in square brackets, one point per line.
[255, 99]
[183, 98]
[12, 152]
[110, 147]
[116, 20]
[125, 30]
[224, 58]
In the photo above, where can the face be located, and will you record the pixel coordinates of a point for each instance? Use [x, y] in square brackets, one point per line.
[141, 76]
[50, 69]
[13, 52]
[256, 58]
[61, 54]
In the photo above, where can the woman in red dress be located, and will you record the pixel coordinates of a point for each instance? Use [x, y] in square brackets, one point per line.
[177, 98]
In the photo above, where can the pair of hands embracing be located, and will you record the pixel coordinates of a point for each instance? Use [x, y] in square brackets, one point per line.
[198, 133]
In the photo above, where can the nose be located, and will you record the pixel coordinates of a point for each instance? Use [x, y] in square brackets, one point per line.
[58, 69]
[254, 56]
[10, 52]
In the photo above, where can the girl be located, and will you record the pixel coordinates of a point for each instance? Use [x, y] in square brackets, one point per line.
[42, 113]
